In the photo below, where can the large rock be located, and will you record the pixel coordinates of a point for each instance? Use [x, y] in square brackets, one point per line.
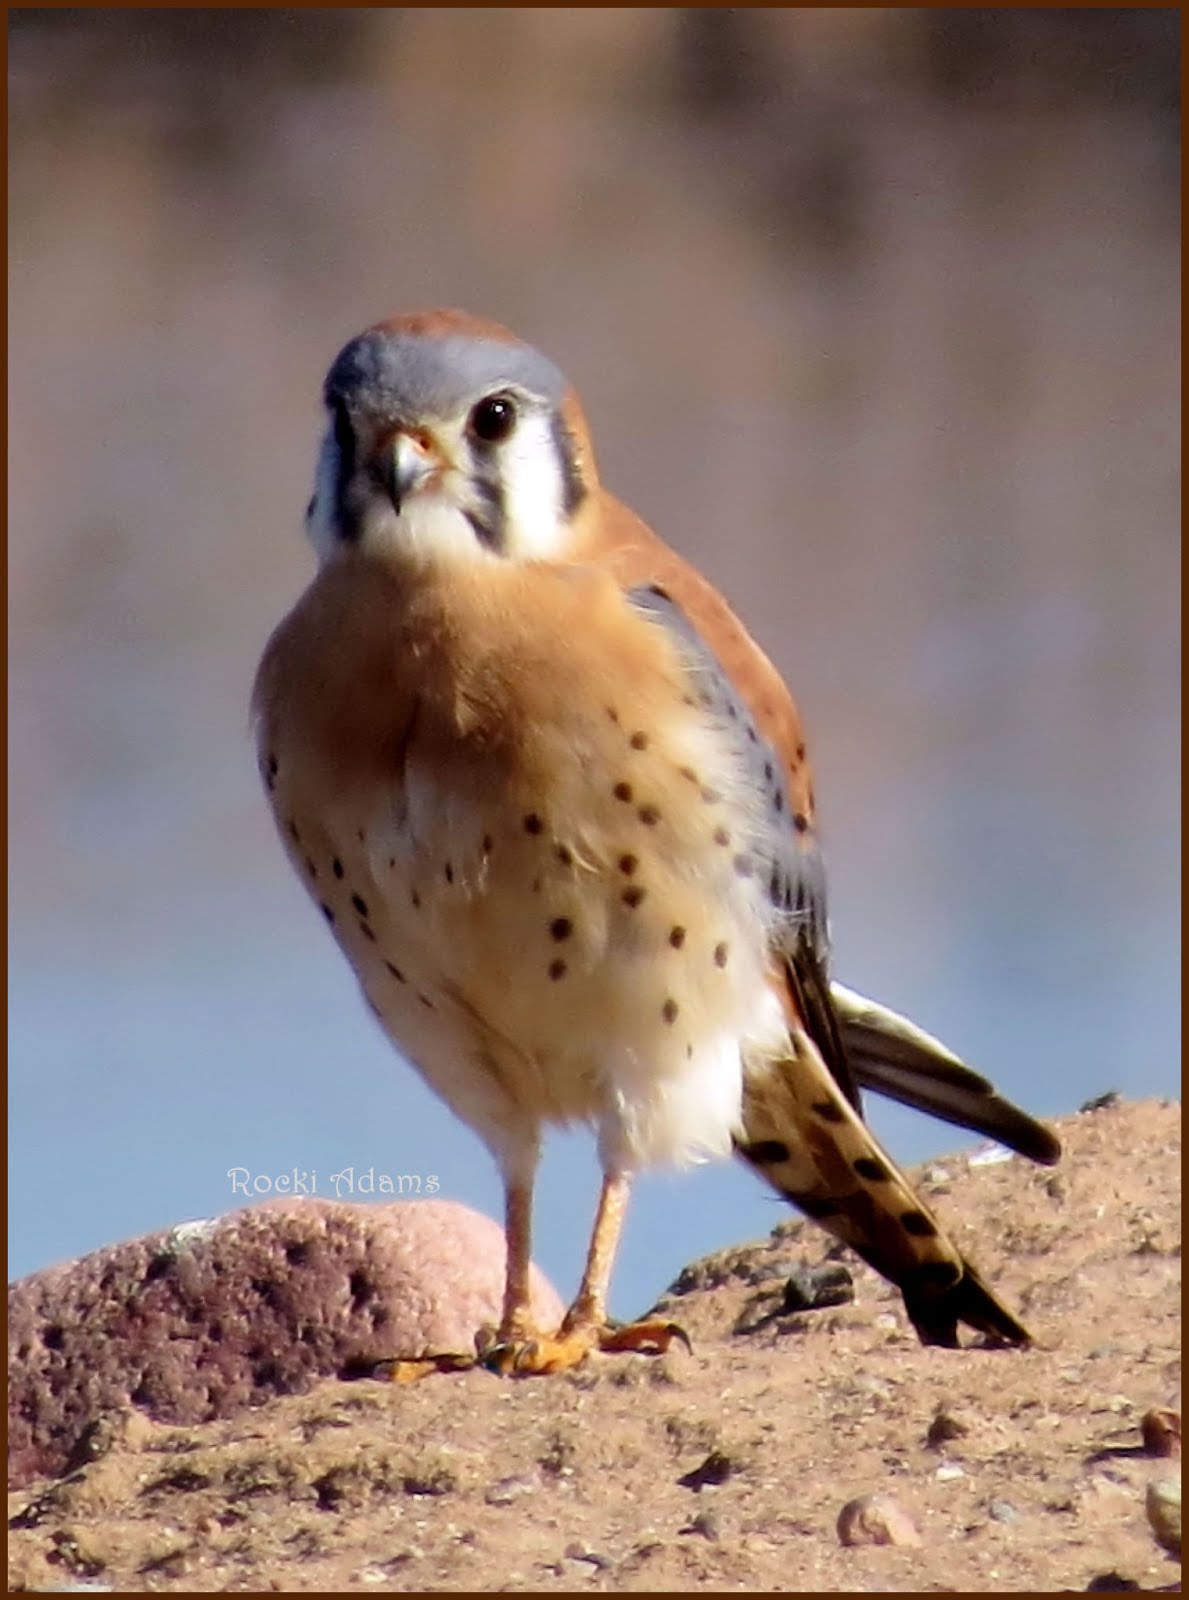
[212, 1317]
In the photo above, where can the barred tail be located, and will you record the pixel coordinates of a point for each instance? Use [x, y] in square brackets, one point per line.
[804, 1138]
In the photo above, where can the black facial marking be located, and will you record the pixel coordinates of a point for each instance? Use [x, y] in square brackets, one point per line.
[360, 904]
[573, 490]
[489, 518]
[829, 1111]
[348, 525]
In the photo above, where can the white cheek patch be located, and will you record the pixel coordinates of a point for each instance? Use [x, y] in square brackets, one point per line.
[534, 490]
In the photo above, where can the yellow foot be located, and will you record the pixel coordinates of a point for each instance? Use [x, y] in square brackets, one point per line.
[650, 1337]
[538, 1355]
[410, 1371]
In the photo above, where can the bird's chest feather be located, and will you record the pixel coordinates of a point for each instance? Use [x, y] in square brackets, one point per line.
[528, 836]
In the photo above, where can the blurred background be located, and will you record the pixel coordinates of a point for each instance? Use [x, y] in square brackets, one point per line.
[876, 317]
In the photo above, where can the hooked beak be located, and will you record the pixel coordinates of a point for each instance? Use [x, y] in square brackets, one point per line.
[411, 458]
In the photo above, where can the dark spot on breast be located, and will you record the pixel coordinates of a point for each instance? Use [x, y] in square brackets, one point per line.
[669, 1011]
[633, 896]
[711, 796]
[765, 1152]
[366, 930]
[800, 822]
[427, 1002]
[613, 714]
[448, 872]
[677, 937]
[628, 865]
[778, 802]
[396, 972]
[560, 928]
[768, 772]
[720, 955]
[829, 1111]
[533, 823]
[565, 855]
[743, 865]
[649, 816]
[721, 836]
[688, 774]
[752, 734]
[336, 866]
[622, 791]
[360, 904]
[868, 1167]
[293, 833]
[733, 711]
[327, 912]
[416, 899]
[799, 753]
[557, 969]
[918, 1224]
[488, 844]
[639, 741]
[311, 868]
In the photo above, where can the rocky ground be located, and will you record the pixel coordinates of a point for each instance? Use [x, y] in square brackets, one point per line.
[726, 1468]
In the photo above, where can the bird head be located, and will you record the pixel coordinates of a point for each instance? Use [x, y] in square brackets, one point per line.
[447, 436]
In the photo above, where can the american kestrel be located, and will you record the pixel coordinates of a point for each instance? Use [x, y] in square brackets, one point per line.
[555, 805]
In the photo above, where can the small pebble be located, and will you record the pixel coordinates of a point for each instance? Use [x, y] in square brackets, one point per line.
[990, 1155]
[876, 1519]
[949, 1473]
[1163, 1505]
[581, 1552]
[1161, 1429]
[1101, 1102]
[1002, 1511]
[507, 1490]
[705, 1523]
[812, 1288]
[716, 1469]
[946, 1425]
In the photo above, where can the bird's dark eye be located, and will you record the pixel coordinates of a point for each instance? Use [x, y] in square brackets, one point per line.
[493, 418]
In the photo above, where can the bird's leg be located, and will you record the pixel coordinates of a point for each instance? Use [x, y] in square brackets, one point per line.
[516, 1320]
[516, 1334]
[589, 1309]
[585, 1326]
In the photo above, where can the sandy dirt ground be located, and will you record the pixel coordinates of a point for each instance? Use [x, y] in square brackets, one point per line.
[722, 1469]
